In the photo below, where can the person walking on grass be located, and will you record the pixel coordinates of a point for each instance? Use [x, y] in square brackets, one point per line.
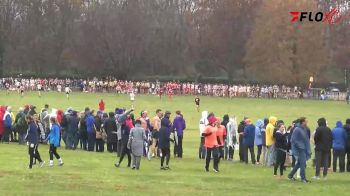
[248, 141]
[32, 138]
[135, 144]
[179, 126]
[164, 140]
[155, 123]
[300, 144]
[54, 139]
[125, 134]
[339, 142]
[281, 149]
[323, 144]
[211, 143]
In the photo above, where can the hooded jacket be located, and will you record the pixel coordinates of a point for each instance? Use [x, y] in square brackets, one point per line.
[323, 136]
[339, 137]
[258, 132]
[300, 142]
[54, 136]
[203, 122]
[231, 132]
[269, 131]
[164, 133]
[7, 119]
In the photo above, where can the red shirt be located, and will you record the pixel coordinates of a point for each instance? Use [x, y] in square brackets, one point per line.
[101, 105]
[221, 133]
[211, 140]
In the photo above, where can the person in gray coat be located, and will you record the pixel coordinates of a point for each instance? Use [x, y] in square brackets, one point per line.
[135, 144]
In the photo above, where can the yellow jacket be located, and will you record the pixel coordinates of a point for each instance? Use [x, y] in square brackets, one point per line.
[13, 118]
[269, 131]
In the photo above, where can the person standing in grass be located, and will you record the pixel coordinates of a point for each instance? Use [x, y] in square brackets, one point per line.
[347, 129]
[197, 101]
[164, 140]
[135, 144]
[301, 150]
[221, 133]
[211, 143]
[90, 130]
[54, 138]
[258, 138]
[125, 134]
[281, 148]
[203, 122]
[323, 144]
[179, 126]
[248, 141]
[101, 106]
[32, 138]
[270, 141]
[231, 139]
[339, 143]
[155, 123]
[110, 127]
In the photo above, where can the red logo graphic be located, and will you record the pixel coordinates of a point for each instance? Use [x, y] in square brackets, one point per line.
[332, 17]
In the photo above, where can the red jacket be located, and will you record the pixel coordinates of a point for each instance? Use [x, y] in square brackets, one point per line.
[102, 105]
[2, 125]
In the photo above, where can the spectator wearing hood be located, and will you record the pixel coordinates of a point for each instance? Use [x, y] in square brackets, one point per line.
[179, 125]
[323, 144]
[135, 144]
[281, 148]
[231, 138]
[347, 129]
[21, 126]
[7, 125]
[301, 150]
[248, 140]
[259, 138]
[203, 122]
[263, 138]
[339, 143]
[211, 143]
[45, 119]
[164, 140]
[72, 130]
[270, 141]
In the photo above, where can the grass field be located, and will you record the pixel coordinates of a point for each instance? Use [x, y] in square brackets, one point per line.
[94, 174]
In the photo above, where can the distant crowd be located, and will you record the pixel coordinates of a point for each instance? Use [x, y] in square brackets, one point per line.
[146, 87]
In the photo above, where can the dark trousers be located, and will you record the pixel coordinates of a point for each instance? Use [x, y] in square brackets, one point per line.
[166, 156]
[21, 138]
[221, 152]
[83, 143]
[202, 149]
[6, 136]
[119, 148]
[339, 154]
[231, 152]
[280, 160]
[112, 146]
[33, 154]
[241, 149]
[252, 154]
[91, 141]
[13, 135]
[321, 160]
[215, 153]
[125, 151]
[259, 153]
[53, 151]
[179, 146]
[100, 145]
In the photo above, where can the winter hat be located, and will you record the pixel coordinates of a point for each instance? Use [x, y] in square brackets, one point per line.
[212, 120]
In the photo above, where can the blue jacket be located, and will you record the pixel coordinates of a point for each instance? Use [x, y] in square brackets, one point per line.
[54, 136]
[249, 135]
[8, 120]
[164, 134]
[90, 123]
[179, 125]
[339, 137]
[300, 142]
[32, 134]
[259, 132]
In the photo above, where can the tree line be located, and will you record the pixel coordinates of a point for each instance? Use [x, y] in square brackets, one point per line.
[250, 40]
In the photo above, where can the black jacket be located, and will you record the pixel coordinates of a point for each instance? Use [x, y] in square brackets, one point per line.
[323, 137]
[347, 129]
[110, 126]
[281, 140]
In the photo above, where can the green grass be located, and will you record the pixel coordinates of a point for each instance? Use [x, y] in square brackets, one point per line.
[94, 174]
